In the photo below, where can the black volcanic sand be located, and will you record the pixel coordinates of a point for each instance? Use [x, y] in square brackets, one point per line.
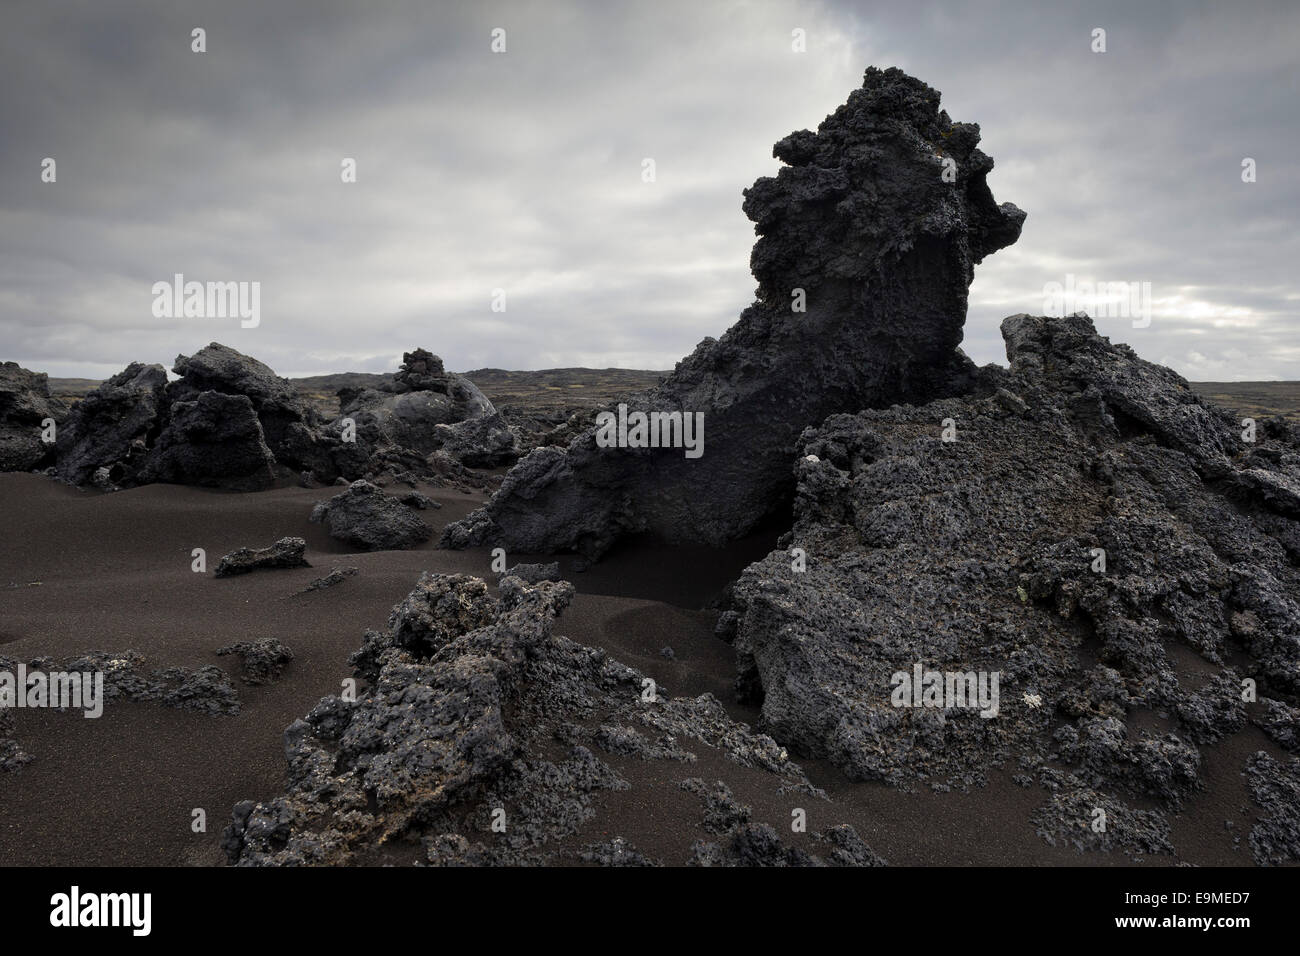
[86, 571]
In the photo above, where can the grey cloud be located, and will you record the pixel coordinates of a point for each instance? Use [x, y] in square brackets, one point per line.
[522, 171]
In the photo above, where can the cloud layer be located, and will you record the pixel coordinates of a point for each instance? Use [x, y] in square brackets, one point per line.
[522, 171]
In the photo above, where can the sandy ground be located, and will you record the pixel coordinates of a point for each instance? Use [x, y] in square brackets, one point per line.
[82, 571]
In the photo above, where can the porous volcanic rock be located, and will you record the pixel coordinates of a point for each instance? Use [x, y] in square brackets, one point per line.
[131, 429]
[286, 419]
[421, 502]
[367, 518]
[421, 371]
[485, 442]
[285, 553]
[407, 412]
[862, 229]
[1078, 525]
[25, 403]
[113, 426]
[476, 711]
[262, 661]
[206, 689]
[1275, 787]
[214, 441]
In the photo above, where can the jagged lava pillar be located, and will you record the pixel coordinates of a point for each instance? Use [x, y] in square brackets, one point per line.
[883, 246]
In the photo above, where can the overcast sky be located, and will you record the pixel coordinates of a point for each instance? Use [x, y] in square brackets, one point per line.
[522, 171]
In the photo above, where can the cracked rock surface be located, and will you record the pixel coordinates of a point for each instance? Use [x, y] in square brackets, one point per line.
[1092, 534]
[365, 517]
[475, 742]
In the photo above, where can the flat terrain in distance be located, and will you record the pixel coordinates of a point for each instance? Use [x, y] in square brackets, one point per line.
[557, 388]
[1254, 398]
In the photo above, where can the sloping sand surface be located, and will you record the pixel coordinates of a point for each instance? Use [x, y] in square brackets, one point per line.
[84, 571]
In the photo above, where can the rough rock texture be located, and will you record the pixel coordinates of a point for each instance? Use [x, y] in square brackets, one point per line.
[113, 427]
[25, 402]
[214, 441]
[1275, 786]
[285, 553]
[367, 518]
[983, 554]
[485, 442]
[133, 429]
[413, 499]
[477, 713]
[336, 576]
[207, 690]
[862, 221]
[407, 412]
[1280, 722]
[721, 811]
[285, 418]
[421, 371]
[262, 661]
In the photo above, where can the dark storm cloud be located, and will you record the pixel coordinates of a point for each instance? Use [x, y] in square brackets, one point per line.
[522, 171]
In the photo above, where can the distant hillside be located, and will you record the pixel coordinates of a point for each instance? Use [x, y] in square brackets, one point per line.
[571, 387]
[72, 389]
[1254, 398]
[335, 380]
[561, 386]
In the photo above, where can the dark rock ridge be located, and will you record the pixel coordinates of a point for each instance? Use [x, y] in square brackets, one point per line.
[285, 553]
[863, 224]
[336, 576]
[484, 442]
[229, 421]
[206, 690]
[1275, 786]
[25, 403]
[978, 555]
[475, 712]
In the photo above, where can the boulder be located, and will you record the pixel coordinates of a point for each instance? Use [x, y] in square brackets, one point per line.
[113, 427]
[285, 553]
[262, 661]
[1083, 494]
[215, 441]
[367, 518]
[421, 371]
[25, 403]
[285, 417]
[407, 411]
[485, 442]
